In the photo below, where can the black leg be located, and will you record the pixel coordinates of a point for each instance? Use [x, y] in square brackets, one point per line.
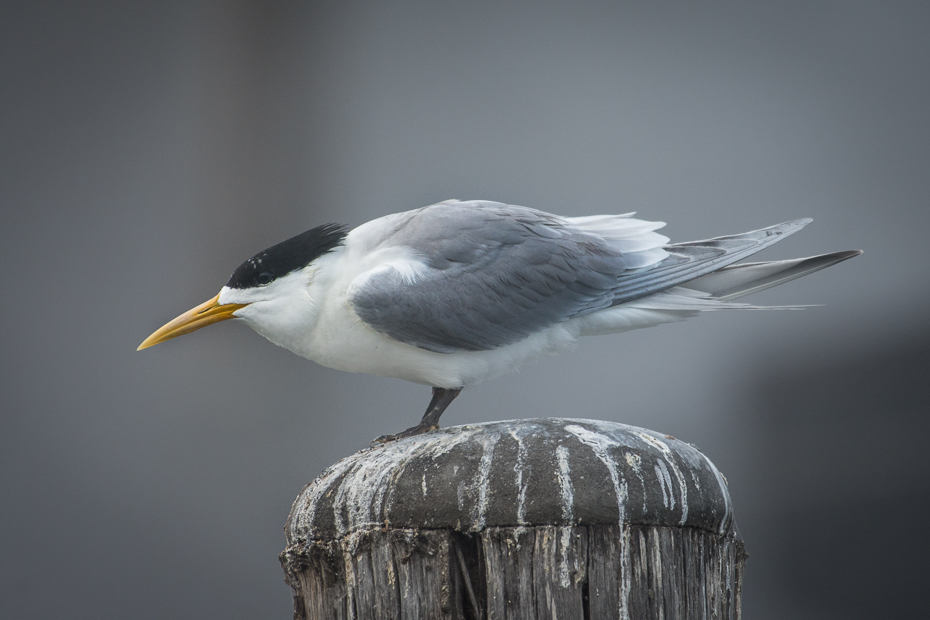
[442, 398]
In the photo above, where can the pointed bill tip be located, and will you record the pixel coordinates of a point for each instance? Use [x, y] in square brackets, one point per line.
[205, 314]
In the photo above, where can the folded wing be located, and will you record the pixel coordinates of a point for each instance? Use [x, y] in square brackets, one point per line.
[490, 274]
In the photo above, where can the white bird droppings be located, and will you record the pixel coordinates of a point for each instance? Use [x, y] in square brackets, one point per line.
[521, 485]
[565, 481]
[670, 460]
[665, 481]
[565, 540]
[600, 444]
[483, 481]
[728, 508]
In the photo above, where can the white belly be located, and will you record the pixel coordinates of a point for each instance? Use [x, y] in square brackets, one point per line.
[342, 341]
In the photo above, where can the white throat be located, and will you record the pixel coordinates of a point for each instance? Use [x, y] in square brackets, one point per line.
[283, 311]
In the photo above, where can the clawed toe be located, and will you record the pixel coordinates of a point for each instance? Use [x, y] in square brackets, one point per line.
[413, 431]
[430, 422]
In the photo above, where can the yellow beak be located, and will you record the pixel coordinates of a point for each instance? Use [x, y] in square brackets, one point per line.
[201, 316]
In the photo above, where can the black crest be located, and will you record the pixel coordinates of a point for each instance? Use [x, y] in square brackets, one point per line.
[287, 256]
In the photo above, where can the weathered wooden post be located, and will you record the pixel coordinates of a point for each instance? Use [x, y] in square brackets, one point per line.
[544, 518]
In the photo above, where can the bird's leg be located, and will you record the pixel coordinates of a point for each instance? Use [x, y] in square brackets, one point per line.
[441, 399]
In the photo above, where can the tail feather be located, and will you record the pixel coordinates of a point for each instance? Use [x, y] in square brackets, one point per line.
[735, 281]
[694, 259]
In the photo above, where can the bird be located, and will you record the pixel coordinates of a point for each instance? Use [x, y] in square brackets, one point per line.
[459, 292]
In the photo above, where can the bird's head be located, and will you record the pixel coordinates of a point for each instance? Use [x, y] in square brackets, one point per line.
[270, 291]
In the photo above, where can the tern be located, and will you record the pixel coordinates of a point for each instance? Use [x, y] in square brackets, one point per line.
[459, 292]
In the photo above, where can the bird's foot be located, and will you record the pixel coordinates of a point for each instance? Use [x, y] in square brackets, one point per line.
[430, 422]
[413, 431]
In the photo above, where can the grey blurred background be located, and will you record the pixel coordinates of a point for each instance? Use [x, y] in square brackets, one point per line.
[148, 148]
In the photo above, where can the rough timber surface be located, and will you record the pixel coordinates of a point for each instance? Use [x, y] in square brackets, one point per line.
[550, 518]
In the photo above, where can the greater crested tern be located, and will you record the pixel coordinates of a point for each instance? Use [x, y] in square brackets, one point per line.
[459, 292]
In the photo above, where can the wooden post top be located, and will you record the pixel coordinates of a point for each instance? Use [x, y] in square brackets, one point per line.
[548, 471]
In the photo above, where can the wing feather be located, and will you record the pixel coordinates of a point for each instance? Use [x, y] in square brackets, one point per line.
[493, 274]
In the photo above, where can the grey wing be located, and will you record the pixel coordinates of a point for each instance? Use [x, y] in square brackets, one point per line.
[495, 274]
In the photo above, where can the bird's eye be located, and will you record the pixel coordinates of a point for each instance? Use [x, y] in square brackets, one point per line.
[265, 278]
